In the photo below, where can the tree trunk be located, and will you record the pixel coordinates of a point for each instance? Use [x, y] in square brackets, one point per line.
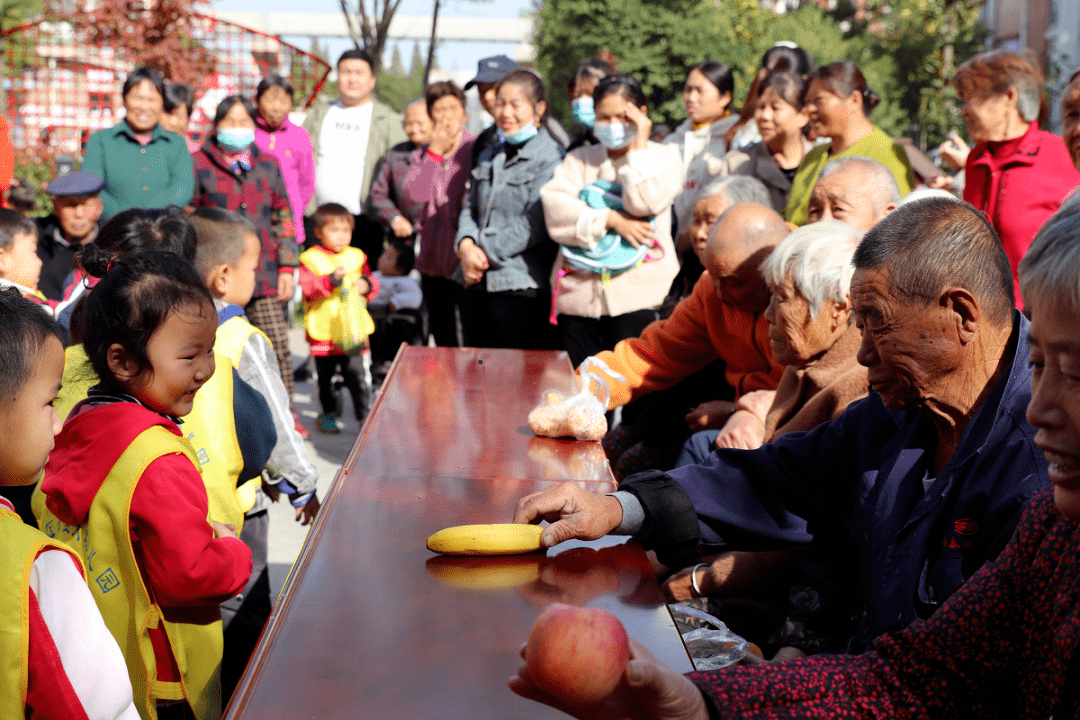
[431, 45]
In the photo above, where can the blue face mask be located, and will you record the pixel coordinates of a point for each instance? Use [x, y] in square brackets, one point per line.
[236, 139]
[583, 111]
[614, 136]
[522, 136]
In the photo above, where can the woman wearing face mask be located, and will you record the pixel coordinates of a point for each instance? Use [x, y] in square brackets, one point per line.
[781, 120]
[232, 173]
[597, 310]
[504, 248]
[143, 164]
[839, 103]
[580, 92]
[700, 138]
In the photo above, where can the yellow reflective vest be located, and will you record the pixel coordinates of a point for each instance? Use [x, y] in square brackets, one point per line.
[231, 337]
[210, 426]
[319, 315]
[104, 544]
[20, 545]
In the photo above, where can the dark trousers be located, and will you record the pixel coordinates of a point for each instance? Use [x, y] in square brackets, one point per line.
[584, 336]
[443, 299]
[368, 235]
[244, 616]
[325, 367]
[512, 319]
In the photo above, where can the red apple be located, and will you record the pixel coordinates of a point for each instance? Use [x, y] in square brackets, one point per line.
[577, 654]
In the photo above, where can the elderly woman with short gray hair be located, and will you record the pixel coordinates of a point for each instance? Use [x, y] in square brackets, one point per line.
[1017, 173]
[810, 331]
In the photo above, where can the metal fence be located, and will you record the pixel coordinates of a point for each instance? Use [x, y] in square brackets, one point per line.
[58, 89]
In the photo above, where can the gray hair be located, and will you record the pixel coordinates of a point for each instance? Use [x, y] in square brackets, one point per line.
[1050, 270]
[817, 258]
[737, 189]
[880, 182]
[925, 192]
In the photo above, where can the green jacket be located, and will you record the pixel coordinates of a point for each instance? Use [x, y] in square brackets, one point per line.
[386, 131]
[150, 176]
[876, 146]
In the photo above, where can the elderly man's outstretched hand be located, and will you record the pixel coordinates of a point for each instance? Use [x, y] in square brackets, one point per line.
[650, 690]
[572, 512]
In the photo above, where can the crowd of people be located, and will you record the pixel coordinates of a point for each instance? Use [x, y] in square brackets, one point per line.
[836, 427]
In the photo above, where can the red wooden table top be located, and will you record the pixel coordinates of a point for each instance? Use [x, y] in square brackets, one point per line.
[372, 624]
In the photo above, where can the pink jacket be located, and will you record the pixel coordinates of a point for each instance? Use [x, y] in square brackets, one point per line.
[437, 184]
[291, 147]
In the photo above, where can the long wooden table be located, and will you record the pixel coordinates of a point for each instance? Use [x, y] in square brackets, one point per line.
[372, 624]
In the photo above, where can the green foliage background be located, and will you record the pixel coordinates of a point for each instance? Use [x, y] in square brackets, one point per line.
[907, 49]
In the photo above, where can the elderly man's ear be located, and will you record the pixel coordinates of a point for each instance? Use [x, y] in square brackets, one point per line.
[966, 313]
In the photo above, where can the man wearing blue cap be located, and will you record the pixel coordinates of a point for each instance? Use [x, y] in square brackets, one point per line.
[76, 212]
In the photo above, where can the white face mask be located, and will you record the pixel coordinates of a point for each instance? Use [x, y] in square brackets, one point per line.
[614, 136]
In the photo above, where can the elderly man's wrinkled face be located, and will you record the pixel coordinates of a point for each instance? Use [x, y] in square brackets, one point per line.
[78, 216]
[1055, 399]
[1070, 120]
[844, 195]
[418, 123]
[707, 211]
[795, 337]
[907, 348]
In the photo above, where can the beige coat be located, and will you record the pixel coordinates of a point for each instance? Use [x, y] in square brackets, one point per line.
[756, 161]
[701, 158]
[650, 179]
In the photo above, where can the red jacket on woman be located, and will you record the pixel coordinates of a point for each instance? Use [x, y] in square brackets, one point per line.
[1019, 184]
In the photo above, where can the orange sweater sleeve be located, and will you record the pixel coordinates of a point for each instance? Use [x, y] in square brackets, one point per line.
[700, 330]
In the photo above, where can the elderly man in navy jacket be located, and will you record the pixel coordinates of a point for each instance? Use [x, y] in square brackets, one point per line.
[912, 489]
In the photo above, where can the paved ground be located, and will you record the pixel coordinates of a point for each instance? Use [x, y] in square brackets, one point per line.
[328, 451]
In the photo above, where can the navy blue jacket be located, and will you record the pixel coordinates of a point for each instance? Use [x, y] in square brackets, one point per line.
[856, 483]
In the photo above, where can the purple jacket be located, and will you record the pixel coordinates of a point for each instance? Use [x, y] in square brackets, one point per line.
[291, 147]
[438, 188]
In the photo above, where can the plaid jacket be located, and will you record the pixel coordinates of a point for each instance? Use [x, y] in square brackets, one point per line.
[259, 194]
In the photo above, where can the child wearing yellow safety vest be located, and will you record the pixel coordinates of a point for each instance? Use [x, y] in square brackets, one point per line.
[226, 258]
[57, 658]
[127, 483]
[326, 270]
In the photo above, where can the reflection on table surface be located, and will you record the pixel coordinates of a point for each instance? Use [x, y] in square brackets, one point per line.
[372, 624]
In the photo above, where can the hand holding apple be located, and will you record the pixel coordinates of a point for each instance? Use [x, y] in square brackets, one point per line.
[645, 689]
[577, 654]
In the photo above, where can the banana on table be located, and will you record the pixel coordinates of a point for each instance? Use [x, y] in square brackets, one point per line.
[498, 539]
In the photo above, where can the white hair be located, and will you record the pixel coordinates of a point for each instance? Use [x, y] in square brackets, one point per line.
[879, 182]
[736, 189]
[817, 258]
[1050, 270]
[926, 192]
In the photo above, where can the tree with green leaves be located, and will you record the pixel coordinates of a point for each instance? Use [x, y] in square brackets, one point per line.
[907, 49]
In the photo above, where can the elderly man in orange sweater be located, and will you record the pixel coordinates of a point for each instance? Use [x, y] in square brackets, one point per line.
[723, 323]
[722, 319]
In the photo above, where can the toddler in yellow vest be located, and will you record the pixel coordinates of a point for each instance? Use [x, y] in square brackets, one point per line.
[57, 658]
[226, 258]
[326, 270]
[126, 484]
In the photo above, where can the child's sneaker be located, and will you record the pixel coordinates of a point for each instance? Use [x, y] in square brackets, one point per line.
[300, 428]
[327, 424]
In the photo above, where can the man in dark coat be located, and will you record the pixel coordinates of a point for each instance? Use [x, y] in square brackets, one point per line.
[75, 220]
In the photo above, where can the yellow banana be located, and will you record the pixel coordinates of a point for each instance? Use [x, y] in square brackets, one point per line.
[505, 539]
[485, 573]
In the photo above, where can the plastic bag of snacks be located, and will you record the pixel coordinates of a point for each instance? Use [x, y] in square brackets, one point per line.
[580, 416]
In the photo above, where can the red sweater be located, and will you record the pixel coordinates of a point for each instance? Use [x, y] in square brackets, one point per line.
[182, 564]
[1019, 184]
